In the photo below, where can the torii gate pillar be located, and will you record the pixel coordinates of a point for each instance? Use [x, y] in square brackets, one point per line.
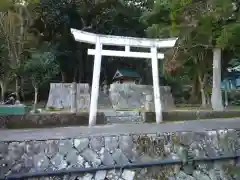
[98, 52]
[156, 86]
[95, 83]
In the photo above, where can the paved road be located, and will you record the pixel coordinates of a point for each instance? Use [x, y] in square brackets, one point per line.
[67, 132]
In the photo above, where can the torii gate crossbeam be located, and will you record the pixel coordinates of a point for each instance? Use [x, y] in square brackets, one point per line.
[98, 52]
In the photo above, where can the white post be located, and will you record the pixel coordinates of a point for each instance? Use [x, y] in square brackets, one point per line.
[95, 83]
[74, 97]
[156, 88]
[216, 98]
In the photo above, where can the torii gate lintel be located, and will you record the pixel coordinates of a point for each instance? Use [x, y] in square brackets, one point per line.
[98, 52]
[91, 38]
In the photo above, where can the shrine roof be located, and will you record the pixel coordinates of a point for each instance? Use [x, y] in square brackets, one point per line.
[126, 73]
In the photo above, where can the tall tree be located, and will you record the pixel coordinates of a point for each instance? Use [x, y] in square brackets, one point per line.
[5, 69]
[39, 68]
[200, 26]
[15, 21]
[56, 17]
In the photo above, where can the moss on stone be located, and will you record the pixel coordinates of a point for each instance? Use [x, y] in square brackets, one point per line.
[47, 120]
[153, 147]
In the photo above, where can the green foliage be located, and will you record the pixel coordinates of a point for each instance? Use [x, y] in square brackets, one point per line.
[40, 67]
[232, 170]
[5, 5]
[200, 26]
[207, 23]
[229, 37]
[6, 71]
[56, 17]
[15, 23]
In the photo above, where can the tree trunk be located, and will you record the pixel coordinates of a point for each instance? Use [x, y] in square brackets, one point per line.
[35, 99]
[21, 89]
[195, 91]
[75, 73]
[203, 94]
[18, 54]
[226, 102]
[82, 65]
[226, 98]
[3, 90]
[216, 98]
[203, 97]
[17, 88]
[208, 99]
[64, 78]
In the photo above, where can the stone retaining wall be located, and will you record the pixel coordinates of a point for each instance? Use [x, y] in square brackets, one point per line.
[60, 119]
[183, 115]
[93, 150]
[122, 96]
[43, 120]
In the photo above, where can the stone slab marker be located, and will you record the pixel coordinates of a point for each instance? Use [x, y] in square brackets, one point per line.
[73, 97]
[127, 42]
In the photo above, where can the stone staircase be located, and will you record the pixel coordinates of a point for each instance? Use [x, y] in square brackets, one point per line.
[104, 101]
[119, 116]
[123, 117]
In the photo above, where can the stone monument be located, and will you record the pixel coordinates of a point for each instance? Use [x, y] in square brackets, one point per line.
[65, 96]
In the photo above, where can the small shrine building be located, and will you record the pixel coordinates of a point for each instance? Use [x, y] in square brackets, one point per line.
[126, 76]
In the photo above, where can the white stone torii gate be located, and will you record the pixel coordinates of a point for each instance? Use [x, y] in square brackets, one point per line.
[98, 52]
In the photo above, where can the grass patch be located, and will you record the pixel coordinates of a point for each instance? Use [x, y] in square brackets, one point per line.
[29, 105]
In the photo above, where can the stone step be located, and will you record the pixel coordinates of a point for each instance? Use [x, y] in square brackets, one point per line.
[123, 116]
[123, 122]
[121, 113]
[121, 119]
[104, 101]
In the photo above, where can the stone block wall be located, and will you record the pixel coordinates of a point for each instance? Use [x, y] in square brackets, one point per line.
[180, 115]
[60, 96]
[121, 97]
[30, 155]
[133, 96]
[47, 120]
